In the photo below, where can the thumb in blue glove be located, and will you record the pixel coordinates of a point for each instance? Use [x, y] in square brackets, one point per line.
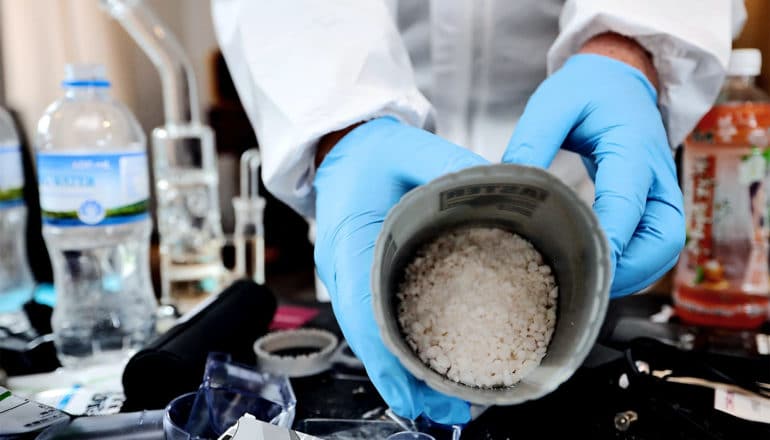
[606, 111]
[359, 180]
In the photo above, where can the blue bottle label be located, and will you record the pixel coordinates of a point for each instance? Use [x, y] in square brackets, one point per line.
[11, 176]
[93, 189]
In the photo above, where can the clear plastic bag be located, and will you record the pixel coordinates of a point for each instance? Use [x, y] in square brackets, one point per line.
[229, 391]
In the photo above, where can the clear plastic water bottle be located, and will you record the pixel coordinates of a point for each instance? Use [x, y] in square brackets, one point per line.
[94, 200]
[15, 278]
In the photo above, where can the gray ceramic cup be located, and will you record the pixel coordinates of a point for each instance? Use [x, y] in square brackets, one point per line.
[527, 201]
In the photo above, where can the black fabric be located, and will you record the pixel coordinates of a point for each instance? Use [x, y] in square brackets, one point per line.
[39, 316]
[20, 359]
[37, 254]
[173, 363]
[41, 359]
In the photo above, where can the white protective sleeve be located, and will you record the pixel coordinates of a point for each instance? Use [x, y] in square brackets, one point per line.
[304, 68]
[690, 41]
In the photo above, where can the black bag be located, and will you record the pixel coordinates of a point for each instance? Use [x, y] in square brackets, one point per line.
[173, 363]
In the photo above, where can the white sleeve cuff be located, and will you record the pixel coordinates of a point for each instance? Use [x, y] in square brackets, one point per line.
[690, 41]
[304, 69]
[288, 168]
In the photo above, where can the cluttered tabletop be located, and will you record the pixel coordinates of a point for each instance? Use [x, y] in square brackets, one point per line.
[648, 376]
[152, 288]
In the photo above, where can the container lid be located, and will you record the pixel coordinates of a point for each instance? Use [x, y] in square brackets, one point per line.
[85, 75]
[745, 62]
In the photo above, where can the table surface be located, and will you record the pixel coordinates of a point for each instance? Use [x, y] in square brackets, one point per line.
[585, 405]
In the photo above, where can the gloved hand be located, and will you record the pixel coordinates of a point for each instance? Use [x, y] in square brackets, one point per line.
[606, 111]
[359, 180]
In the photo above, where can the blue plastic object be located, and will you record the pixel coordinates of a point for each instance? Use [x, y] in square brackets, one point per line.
[14, 300]
[45, 294]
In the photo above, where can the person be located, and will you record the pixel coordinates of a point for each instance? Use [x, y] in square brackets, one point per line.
[355, 102]
[755, 268]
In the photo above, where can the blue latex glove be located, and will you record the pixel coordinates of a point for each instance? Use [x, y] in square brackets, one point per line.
[361, 178]
[606, 111]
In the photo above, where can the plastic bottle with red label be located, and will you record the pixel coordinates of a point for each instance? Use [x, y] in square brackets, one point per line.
[723, 275]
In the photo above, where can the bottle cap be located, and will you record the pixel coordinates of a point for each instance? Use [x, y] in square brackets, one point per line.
[745, 62]
[85, 75]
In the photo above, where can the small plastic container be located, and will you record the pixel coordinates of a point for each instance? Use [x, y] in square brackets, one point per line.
[524, 200]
